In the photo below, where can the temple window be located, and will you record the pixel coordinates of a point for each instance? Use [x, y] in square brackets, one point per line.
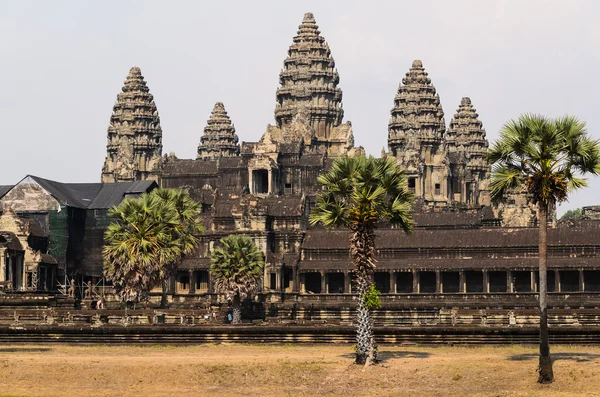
[451, 282]
[260, 181]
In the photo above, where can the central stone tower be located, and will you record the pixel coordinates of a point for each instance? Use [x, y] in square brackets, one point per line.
[309, 91]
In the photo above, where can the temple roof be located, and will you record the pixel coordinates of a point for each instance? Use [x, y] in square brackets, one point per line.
[308, 75]
[219, 139]
[417, 110]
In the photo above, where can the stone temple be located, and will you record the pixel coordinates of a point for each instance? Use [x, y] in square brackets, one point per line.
[465, 252]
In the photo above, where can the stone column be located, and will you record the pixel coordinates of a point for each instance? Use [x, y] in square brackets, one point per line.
[557, 287]
[416, 289]
[270, 188]
[295, 283]
[533, 283]
[347, 282]
[209, 282]
[278, 277]
[2, 265]
[438, 282]
[486, 282]
[509, 281]
[302, 283]
[581, 281]
[323, 282]
[392, 282]
[462, 283]
[192, 289]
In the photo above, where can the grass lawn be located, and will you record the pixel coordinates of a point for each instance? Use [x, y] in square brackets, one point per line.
[291, 370]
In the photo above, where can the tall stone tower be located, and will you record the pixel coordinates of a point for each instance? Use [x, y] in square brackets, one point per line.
[134, 146]
[219, 139]
[467, 148]
[309, 90]
[415, 136]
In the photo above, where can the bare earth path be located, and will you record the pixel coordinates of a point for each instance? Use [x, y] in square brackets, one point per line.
[300, 370]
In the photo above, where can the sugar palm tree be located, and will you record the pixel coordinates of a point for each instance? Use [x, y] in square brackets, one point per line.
[549, 157]
[138, 243]
[236, 267]
[186, 233]
[358, 193]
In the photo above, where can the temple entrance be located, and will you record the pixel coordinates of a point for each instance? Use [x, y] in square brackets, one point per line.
[569, 281]
[382, 282]
[497, 281]
[427, 281]
[14, 271]
[474, 281]
[201, 281]
[335, 283]
[404, 282]
[450, 282]
[312, 282]
[260, 181]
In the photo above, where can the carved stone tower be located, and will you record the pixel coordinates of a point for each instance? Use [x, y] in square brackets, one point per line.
[219, 139]
[415, 136]
[134, 144]
[309, 88]
[467, 148]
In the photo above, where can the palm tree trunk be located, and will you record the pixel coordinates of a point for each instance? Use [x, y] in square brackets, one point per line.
[163, 298]
[362, 249]
[237, 310]
[546, 374]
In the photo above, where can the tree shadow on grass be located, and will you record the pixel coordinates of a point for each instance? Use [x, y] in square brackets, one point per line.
[25, 349]
[577, 357]
[384, 356]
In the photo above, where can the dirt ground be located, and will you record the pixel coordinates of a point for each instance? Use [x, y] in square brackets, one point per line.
[291, 370]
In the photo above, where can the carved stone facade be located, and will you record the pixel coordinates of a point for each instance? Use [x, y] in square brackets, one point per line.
[134, 146]
[219, 139]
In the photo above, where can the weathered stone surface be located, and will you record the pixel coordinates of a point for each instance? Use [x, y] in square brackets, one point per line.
[134, 146]
[219, 139]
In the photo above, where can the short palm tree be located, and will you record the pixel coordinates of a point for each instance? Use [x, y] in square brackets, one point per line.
[358, 193]
[237, 268]
[549, 157]
[186, 233]
[138, 244]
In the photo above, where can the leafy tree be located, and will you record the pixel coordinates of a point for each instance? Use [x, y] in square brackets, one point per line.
[549, 157]
[572, 214]
[359, 193]
[237, 268]
[149, 237]
[186, 233]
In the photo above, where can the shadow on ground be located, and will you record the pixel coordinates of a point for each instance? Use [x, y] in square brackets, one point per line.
[384, 356]
[24, 349]
[577, 357]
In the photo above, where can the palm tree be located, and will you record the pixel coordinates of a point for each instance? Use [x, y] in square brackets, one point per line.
[187, 232]
[138, 244]
[549, 158]
[236, 267]
[360, 192]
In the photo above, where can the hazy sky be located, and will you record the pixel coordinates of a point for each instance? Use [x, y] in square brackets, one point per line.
[62, 64]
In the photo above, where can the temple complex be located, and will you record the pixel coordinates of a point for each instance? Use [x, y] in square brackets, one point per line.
[465, 251]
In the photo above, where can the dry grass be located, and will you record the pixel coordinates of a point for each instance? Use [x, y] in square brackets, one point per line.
[301, 370]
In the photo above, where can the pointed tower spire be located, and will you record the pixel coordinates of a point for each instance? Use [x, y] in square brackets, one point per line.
[466, 136]
[417, 114]
[309, 82]
[134, 146]
[219, 139]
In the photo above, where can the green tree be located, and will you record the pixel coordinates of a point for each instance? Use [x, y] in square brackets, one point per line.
[148, 239]
[186, 232]
[359, 193]
[237, 268]
[137, 244]
[549, 157]
[572, 214]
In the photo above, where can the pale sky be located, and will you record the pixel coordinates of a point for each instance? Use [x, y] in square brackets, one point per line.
[62, 63]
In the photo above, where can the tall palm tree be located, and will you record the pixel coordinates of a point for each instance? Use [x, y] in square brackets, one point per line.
[138, 244]
[549, 157]
[237, 267]
[186, 233]
[358, 193]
